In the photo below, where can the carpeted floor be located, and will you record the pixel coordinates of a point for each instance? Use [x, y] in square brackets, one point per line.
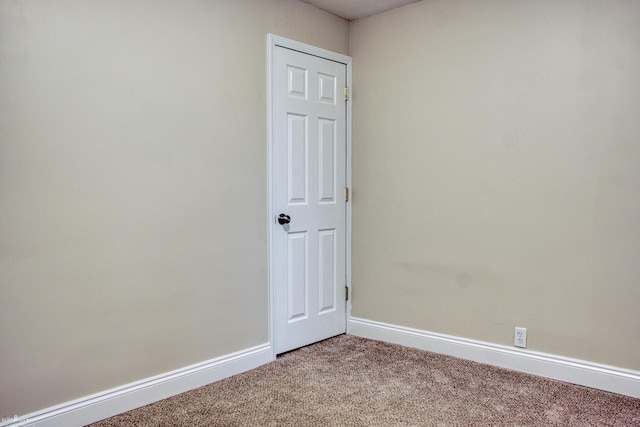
[351, 381]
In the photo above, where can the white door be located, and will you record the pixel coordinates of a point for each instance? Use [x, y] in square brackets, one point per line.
[308, 198]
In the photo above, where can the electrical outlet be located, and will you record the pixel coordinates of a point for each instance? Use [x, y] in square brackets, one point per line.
[520, 337]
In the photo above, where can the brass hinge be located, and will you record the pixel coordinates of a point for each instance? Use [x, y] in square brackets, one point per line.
[346, 194]
[346, 93]
[346, 293]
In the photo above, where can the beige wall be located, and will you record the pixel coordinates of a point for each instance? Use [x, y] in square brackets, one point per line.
[497, 172]
[133, 166]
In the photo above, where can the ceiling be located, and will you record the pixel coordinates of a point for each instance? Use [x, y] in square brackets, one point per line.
[354, 9]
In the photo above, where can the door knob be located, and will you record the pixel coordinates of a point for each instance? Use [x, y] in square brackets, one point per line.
[284, 219]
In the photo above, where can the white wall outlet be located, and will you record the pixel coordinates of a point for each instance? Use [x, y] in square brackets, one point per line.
[520, 337]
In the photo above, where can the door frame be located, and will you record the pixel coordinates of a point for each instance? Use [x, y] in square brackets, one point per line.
[272, 42]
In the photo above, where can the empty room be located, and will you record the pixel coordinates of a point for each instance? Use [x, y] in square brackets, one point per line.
[319, 212]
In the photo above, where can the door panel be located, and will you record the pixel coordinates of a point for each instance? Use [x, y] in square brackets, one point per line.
[327, 140]
[327, 267]
[297, 161]
[297, 279]
[309, 173]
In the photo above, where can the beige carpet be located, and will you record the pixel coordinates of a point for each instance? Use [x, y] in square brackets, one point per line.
[351, 381]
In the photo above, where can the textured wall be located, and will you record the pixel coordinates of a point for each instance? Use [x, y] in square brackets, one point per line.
[133, 203]
[497, 172]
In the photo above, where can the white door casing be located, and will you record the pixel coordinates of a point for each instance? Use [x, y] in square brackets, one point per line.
[308, 175]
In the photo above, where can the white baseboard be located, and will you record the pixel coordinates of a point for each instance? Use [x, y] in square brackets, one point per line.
[115, 401]
[574, 371]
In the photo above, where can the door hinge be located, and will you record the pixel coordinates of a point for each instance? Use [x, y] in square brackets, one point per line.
[346, 194]
[346, 93]
[346, 293]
